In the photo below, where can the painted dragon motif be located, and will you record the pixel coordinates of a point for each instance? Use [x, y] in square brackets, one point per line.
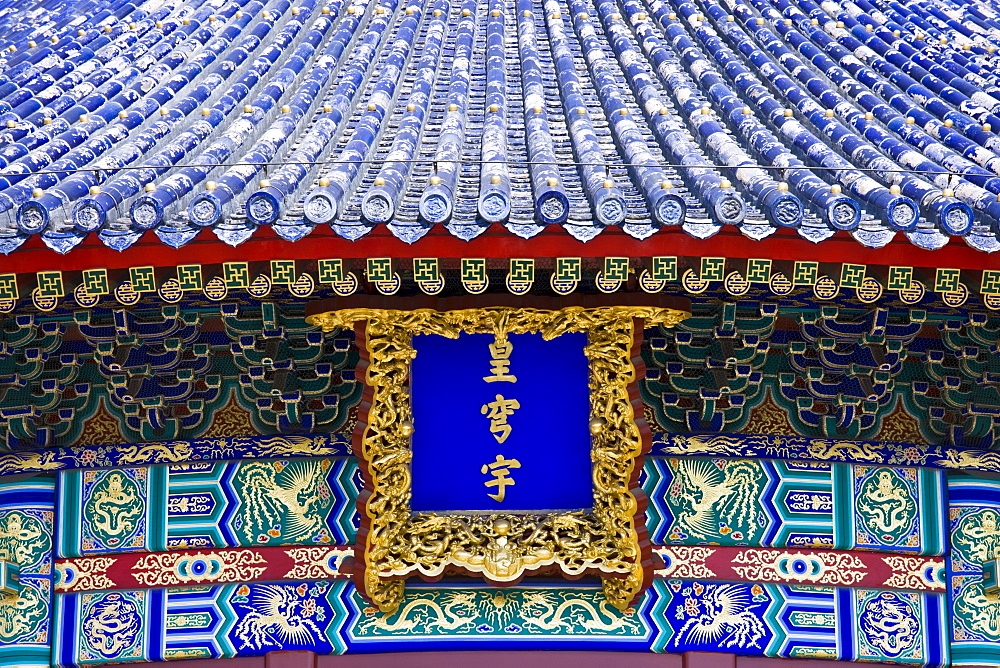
[586, 617]
[458, 612]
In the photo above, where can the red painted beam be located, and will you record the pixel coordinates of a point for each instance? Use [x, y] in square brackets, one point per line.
[495, 243]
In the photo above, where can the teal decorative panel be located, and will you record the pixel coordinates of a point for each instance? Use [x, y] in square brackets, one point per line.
[739, 502]
[208, 505]
[891, 509]
[774, 503]
[974, 520]
[26, 530]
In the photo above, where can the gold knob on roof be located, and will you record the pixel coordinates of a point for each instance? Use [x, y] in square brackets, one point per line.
[789, 113]
[46, 121]
[828, 113]
[122, 114]
[835, 189]
[495, 179]
[896, 33]
[325, 10]
[623, 112]
[894, 189]
[537, 109]
[664, 111]
[948, 122]
[814, 22]
[351, 10]
[264, 183]
[759, 22]
[295, 10]
[12, 124]
[869, 28]
[466, 13]
[725, 183]
[371, 106]
[948, 192]
[239, 15]
[495, 13]
[324, 182]
[666, 185]
[555, 15]
[409, 11]
[747, 111]
[839, 24]
[705, 111]
[869, 116]
[150, 187]
[379, 181]
[37, 192]
[910, 120]
[552, 181]
[788, 22]
[782, 186]
[411, 107]
[211, 18]
[452, 107]
[84, 118]
[81, 33]
[526, 14]
[616, 16]
[380, 10]
[730, 18]
[247, 109]
[95, 190]
[672, 16]
[435, 180]
[206, 112]
[608, 183]
[987, 127]
[186, 22]
[327, 108]
[55, 40]
[285, 109]
[211, 185]
[494, 108]
[31, 45]
[266, 15]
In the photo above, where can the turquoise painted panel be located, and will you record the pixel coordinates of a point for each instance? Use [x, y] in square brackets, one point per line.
[208, 505]
[27, 510]
[974, 522]
[773, 503]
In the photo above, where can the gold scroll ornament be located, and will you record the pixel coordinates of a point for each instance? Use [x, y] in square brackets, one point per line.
[395, 543]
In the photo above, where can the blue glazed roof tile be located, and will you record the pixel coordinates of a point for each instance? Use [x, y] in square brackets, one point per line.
[868, 117]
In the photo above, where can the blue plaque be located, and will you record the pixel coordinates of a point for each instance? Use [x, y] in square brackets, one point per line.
[501, 427]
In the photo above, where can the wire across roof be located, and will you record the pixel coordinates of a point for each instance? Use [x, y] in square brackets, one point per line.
[868, 117]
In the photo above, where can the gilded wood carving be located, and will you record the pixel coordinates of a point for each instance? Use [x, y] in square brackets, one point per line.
[609, 541]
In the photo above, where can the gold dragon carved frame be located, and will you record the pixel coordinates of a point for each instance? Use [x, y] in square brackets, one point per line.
[395, 543]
